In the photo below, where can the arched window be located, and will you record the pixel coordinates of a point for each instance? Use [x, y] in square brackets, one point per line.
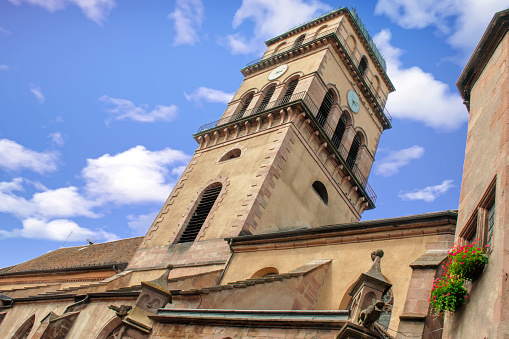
[325, 107]
[278, 48]
[267, 97]
[354, 150]
[351, 42]
[266, 271]
[24, 330]
[339, 131]
[245, 105]
[363, 64]
[299, 40]
[320, 30]
[234, 153]
[290, 90]
[200, 213]
[321, 191]
[385, 317]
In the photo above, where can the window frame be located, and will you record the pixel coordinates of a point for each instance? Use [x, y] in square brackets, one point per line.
[477, 226]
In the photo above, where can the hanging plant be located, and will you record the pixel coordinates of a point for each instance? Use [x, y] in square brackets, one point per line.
[467, 261]
[463, 263]
[447, 294]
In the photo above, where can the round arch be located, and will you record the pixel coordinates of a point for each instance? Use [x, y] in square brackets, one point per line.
[320, 30]
[264, 272]
[362, 135]
[351, 42]
[278, 48]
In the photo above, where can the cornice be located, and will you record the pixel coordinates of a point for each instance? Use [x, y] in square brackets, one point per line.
[497, 29]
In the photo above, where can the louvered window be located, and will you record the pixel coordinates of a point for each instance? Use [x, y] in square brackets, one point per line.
[299, 40]
[354, 151]
[289, 91]
[267, 98]
[325, 108]
[244, 108]
[363, 65]
[200, 214]
[339, 131]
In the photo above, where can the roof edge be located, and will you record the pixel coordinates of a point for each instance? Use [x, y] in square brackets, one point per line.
[496, 30]
[448, 215]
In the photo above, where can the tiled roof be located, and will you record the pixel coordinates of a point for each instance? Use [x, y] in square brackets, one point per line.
[79, 257]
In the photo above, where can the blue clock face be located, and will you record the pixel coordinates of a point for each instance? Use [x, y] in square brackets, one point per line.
[353, 101]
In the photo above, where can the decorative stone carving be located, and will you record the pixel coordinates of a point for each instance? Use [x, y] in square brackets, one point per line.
[370, 315]
[154, 295]
[369, 288]
[121, 311]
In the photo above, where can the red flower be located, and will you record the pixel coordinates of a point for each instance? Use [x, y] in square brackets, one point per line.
[464, 256]
[448, 293]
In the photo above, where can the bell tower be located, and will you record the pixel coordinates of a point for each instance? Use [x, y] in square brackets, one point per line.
[293, 149]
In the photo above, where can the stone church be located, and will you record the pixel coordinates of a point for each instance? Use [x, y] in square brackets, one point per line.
[261, 237]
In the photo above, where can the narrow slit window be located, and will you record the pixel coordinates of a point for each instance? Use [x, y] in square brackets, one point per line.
[321, 191]
[299, 40]
[339, 131]
[363, 64]
[289, 91]
[234, 153]
[266, 98]
[200, 213]
[490, 225]
[354, 151]
[247, 101]
[325, 107]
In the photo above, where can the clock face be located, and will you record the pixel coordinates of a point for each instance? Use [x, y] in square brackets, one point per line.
[353, 101]
[277, 72]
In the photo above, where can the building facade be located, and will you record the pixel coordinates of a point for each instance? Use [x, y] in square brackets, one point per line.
[261, 235]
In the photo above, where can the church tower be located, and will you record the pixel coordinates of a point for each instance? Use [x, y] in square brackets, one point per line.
[293, 149]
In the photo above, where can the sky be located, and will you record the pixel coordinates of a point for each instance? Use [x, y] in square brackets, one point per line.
[99, 100]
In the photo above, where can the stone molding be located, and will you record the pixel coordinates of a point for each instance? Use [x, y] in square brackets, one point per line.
[166, 207]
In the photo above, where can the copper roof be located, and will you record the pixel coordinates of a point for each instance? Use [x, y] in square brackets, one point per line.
[79, 257]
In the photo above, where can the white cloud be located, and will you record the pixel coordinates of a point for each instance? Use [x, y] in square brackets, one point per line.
[141, 223]
[428, 194]
[188, 16]
[36, 90]
[5, 67]
[5, 31]
[134, 176]
[14, 156]
[391, 164]
[178, 170]
[270, 19]
[57, 138]
[95, 10]
[56, 230]
[58, 203]
[63, 202]
[10, 202]
[414, 88]
[463, 20]
[125, 109]
[209, 95]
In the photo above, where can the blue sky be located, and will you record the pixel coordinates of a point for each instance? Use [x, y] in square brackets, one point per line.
[99, 100]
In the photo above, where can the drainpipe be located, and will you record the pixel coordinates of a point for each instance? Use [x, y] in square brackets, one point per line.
[82, 301]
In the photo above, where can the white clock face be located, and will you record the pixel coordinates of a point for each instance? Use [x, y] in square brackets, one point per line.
[353, 101]
[277, 72]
